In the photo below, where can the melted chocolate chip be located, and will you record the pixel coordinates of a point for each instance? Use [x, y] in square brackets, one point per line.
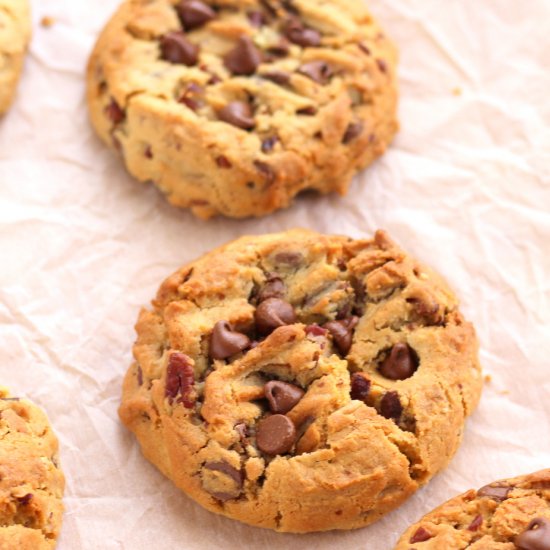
[226, 342]
[24, 500]
[360, 387]
[309, 111]
[238, 113]
[303, 36]
[192, 96]
[273, 313]
[273, 288]
[390, 406]
[420, 535]
[275, 434]
[494, 492]
[476, 523]
[244, 58]
[400, 364]
[256, 18]
[194, 13]
[266, 170]
[269, 143]
[279, 50]
[180, 379]
[319, 71]
[536, 536]
[342, 333]
[279, 77]
[113, 111]
[282, 396]
[176, 48]
[353, 130]
[230, 471]
[223, 162]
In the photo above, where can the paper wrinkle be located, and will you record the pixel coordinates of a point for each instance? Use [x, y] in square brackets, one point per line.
[465, 187]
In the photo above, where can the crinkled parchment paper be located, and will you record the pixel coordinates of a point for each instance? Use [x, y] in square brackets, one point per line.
[465, 188]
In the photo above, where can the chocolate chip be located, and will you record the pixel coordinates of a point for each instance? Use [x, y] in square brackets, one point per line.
[364, 48]
[193, 13]
[282, 396]
[223, 162]
[536, 536]
[176, 48]
[390, 406]
[293, 259]
[269, 143]
[476, 523]
[230, 471]
[319, 71]
[180, 378]
[24, 500]
[256, 18]
[316, 330]
[360, 387]
[225, 342]
[309, 111]
[420, 535]
[303, 36]
[498, 493]
[192, 96]
[273, 288]
[279, 77]
[238, 113]
[401, 363]
[266, 170]
[139, 373]
[244, 58]
[353, 130]
[342, 333]
[275, 435]
[279, 50]
[148, 152]
[382, 65]
[273, 313]
[113, 111]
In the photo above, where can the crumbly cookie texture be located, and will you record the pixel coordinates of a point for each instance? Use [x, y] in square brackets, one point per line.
[15, 32]
[302, 382]
[31, 483]
[234, 106]
[511, 514]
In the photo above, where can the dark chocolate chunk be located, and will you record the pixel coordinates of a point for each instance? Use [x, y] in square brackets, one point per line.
[282, 396]
[401, 363]
[420, 535]
[342, 333]
[476, 523]
[194, 13]
[176, 48]
[229, 471]
[536, 536]
[360, 387]
[238, 113]
[319, 71]
[244, 58]
[273, 313]
[225, 342]
[269, 143]
[303, 36]
[498, 493]
[180, 379]
[113, 111]
[390, 406]
[353, 130]
[275, 434]
[273, 288]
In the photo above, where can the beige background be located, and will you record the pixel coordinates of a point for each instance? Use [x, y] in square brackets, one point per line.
[465, 187]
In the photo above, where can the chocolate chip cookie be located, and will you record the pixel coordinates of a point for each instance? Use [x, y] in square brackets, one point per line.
[505, 515]
[302, 382]
[15, 30]
[234, 106]
[31, 483]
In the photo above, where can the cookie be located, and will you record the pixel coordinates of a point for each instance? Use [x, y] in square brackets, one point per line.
[302, 382]
[235, 106]
[15, 31]
[31, 482]
[506, 515]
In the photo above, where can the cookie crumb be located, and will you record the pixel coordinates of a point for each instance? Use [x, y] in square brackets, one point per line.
[457, 91]
[488, 378]
[47, 21]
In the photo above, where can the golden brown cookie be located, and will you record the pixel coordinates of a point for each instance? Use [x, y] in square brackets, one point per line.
[511, 514]
[15, 31]
[302, 382]
[31, 483]
[234, 106]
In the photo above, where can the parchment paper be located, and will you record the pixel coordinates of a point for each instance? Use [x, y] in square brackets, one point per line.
[465, 188]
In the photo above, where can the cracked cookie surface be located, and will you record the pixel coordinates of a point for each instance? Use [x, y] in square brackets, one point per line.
[511, 514]
[302, 382]
[15, 30]
[31, 483]
[235, 106]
